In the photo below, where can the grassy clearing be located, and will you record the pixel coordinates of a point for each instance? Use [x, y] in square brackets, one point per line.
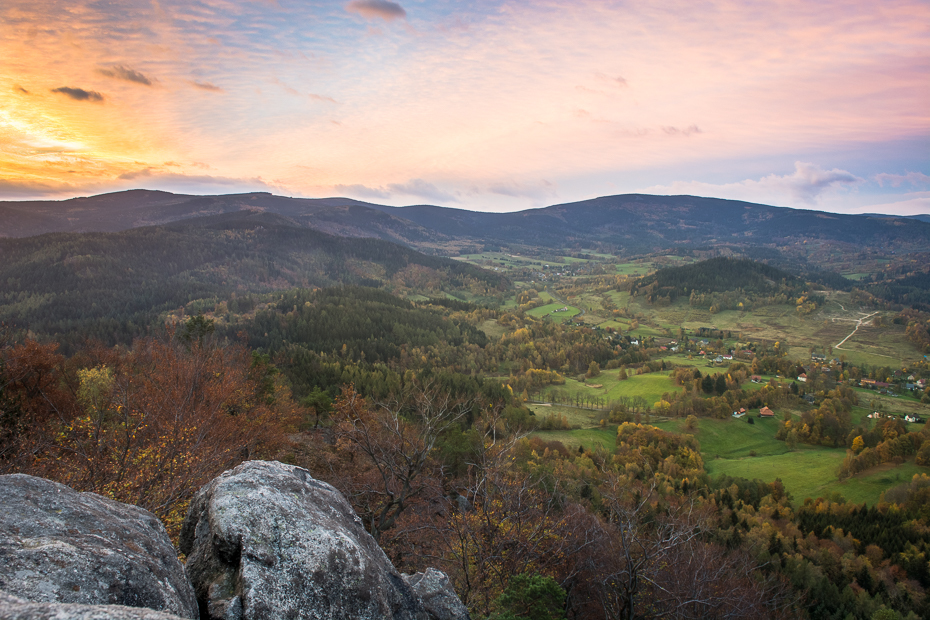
[575, 416]
[590, 438]
[808, 472]
[550, 311]
[633, 269]
[869, 485]
[650, 386]
[492, 329]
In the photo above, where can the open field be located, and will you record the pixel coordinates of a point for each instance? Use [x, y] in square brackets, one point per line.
[810, 471]
[576, 417]
[650, 387]
[550, 310]
[590, 438]
[633, 269]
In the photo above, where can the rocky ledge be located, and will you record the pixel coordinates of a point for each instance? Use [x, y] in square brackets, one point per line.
[264, 541]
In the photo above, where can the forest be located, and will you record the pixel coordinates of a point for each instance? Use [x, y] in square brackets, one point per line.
[140, 364]
[441, 468]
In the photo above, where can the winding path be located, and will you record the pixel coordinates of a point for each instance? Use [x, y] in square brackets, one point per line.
[858, 324]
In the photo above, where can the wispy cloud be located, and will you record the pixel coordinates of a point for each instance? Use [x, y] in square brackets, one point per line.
[916, 179]
[614, 80]
[361, 191]
[422, 189]
[79, 94]
[119, 72]
[687, 131]
[804, 186]
[373, 9]
[213, 88]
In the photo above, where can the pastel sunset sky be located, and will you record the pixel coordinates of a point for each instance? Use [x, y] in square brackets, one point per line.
[484, 105]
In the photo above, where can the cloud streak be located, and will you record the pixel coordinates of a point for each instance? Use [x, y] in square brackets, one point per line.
[374, 9]
[79, 94]
[207, 86]
[805, 186]
[119, 72]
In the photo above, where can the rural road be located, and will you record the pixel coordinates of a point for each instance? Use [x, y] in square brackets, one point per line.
[858, 324]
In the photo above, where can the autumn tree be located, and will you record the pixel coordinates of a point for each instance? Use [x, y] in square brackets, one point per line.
[389, 446]
[158, 421]
[33, 403]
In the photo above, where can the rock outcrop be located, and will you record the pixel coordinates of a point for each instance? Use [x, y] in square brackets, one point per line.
[14, 608]
[61, 546]
[437, 596]
[266, 541]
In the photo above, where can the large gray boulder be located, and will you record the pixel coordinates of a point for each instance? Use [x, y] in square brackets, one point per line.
[435, 592]
[266, 541]
[14, 608]
[61, 546]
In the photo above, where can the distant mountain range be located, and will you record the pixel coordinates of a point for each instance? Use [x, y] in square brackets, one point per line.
[630, 223]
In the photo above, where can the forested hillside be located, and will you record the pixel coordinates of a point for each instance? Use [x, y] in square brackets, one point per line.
[725, 283]
[111, 286]
[632, 223]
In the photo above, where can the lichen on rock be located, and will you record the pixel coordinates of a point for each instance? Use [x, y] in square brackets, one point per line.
[266, 541]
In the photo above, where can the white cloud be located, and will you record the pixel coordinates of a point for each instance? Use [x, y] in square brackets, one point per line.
[804, 187]
[916, 179]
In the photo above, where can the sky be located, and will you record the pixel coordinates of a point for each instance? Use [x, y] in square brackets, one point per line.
[485, 105]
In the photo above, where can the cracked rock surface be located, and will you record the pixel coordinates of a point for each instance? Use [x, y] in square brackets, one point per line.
[267, 541]
[61, 546]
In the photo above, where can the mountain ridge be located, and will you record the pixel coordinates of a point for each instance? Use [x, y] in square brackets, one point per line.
[628, 222]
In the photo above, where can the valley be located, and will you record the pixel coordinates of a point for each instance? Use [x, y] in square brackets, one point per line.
[409, 355]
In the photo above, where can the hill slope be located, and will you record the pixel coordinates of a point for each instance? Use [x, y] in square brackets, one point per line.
[111, 285]
[630, 223]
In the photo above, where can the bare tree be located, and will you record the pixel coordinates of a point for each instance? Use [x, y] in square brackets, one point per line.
[391, 444]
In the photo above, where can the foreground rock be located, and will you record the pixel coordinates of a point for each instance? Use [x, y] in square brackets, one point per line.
[14, 608]
[61, 546]
[437, 596]
[267, 541]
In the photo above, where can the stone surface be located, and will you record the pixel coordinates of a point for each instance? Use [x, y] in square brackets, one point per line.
[266, 541]
[14, 608]
[61, 546]
[437, 596]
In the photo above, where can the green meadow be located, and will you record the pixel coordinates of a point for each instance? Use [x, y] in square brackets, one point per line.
[607, 386]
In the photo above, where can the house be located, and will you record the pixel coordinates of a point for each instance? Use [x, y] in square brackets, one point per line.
[809, 398]
[756, 378]
[817, 357]
[765, 412]
[802, 377]
[912, 418]
[739, 414]
[867, 382]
